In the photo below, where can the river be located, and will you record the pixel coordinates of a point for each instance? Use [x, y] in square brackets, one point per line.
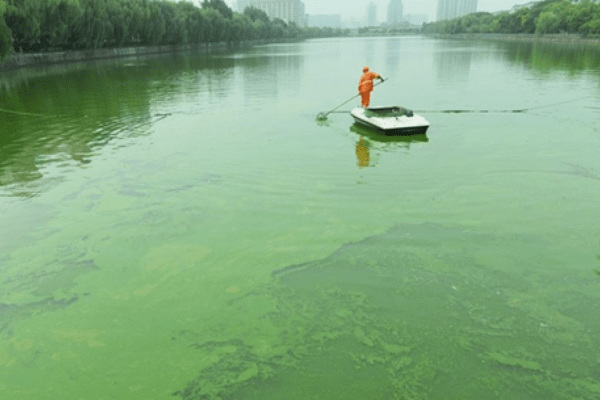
[182, 227]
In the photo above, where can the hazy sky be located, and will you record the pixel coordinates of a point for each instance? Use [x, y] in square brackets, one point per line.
[357, 8]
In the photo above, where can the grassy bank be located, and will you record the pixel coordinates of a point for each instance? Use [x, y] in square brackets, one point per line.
[523, 37]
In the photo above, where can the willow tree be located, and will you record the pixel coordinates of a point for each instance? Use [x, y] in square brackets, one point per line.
[220, 6]
[581, 14]
[553, 18]
[154, 26]
[60, 24]
[241, 28]
[121, 18]
[175, 24]
[23, 19]
[95, 28]
[5, 35]
[195, 21]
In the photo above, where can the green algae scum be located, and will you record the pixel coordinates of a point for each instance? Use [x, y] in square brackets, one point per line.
[181, 228]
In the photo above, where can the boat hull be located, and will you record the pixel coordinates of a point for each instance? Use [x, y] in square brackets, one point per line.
[391, 121]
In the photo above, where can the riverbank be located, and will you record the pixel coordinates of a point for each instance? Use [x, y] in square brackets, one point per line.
[522, 37]
[24, 60]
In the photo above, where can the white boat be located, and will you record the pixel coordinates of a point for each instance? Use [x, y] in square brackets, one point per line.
[390, 120]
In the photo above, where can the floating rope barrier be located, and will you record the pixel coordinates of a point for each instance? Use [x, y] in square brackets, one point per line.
[323, 116]
[158, 116]
[27, 114]
[517, 110]
[471, 111]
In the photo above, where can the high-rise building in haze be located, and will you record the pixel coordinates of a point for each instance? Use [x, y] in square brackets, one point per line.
[287, 10]
[395, 10]
[371, 14]
[325, 20]
[197, 3]
[448, 9]
[240, 5]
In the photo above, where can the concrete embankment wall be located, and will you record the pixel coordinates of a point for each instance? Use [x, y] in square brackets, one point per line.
[34, 59]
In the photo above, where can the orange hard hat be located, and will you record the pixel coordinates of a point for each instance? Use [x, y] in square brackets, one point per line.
[365, 69]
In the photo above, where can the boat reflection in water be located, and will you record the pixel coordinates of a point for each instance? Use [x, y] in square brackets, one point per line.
[370, 141]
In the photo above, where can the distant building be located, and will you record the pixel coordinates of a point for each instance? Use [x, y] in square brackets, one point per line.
[197, 3]
[240, 5]
[449, 9]
[395, 10]
[325, 20]
[287, 10]
[371, 14]
[416, 19]
[351, 23]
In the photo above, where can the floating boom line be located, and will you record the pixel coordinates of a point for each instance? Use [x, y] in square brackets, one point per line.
[3, 110]
[516, 110]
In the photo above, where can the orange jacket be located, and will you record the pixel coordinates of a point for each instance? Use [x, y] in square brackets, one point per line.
[365, 84]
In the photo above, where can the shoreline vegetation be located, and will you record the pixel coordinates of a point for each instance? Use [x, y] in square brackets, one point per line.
[36, 32]
[559, 38]
[31, 30]
[541, 18]
[48, 58]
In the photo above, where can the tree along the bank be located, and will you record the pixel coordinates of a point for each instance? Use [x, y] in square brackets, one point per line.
[5, 36]
[544, 17]
[48, 25]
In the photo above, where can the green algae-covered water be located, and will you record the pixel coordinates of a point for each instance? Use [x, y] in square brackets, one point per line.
[183, 228]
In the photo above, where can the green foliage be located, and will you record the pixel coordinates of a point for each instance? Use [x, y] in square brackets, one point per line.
[591, 27]
[23, 19]
[5, 34]
[218, 5]
[553, 18]
[60, 23]
[122, 19]
[478, 22]
[175, 29]
[548, 22]
[241, 28]
[256, 14]
[45, 25]
[154, 26]
[544, 17]
[196, 23]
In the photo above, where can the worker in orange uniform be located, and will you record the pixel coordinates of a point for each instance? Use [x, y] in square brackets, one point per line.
[365, 85]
